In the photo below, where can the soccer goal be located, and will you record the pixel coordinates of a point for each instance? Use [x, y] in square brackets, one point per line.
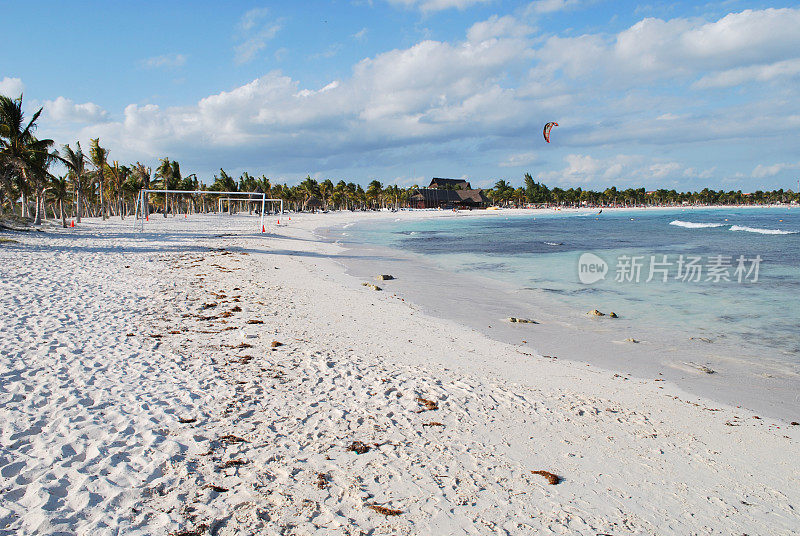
[196, 202]
[235, 205]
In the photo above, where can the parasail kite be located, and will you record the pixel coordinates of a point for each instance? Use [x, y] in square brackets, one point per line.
[547, 128]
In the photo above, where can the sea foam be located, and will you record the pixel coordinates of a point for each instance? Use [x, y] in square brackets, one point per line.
[761, 231]
[695, 225]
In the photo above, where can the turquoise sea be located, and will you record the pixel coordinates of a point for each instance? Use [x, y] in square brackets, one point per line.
[725, 273]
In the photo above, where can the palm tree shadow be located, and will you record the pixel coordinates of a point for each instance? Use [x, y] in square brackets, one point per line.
[166, 242]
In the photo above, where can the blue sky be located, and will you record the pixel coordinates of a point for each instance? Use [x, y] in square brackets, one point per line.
[681, 94]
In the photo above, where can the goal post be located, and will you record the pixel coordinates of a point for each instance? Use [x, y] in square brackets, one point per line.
[142, 210]
[228, 200]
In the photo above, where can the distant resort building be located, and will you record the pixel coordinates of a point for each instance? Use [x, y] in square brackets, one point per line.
[449, 193]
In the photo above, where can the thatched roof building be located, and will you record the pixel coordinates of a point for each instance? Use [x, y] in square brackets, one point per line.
[449, 193]
[449, 184]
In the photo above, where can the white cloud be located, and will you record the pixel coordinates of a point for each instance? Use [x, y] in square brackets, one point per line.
[618, 169]
[485, 98]
[11, 87]
[518, 160]
[761, 171]
[432, 91]
[360, 35]
[254, 34]
[281, 54]
[498, 27]
[661, 170]
[751, 73]
[692, 173]
[64, 110]
[659, 49]
[329, 52]
[253, 17]
[165, 61]
[436, 5]
[550, 6]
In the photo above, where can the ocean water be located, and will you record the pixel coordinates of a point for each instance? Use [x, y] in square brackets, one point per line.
[731, 275]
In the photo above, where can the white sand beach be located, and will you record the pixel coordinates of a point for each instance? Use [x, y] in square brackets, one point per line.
[200, 380]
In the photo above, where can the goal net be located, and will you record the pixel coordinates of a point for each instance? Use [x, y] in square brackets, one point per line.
[200, 210]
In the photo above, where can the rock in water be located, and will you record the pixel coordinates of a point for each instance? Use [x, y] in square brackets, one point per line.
[595, 312]
[385, 277]
[612, 315]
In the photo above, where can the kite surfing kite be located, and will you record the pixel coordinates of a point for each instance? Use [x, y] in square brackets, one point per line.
[547, 128]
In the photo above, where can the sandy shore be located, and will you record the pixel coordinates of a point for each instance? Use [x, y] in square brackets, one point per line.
[745, 374]
[143, 391]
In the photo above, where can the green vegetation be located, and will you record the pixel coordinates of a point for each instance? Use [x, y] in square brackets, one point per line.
[94, 187]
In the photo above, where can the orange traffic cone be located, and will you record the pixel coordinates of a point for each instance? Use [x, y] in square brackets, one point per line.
[290, 219]
[72, 223]
[147, 218]
[279, 222]
[263, 229]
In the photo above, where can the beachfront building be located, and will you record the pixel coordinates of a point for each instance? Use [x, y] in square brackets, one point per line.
[449, 184]
[449, 193]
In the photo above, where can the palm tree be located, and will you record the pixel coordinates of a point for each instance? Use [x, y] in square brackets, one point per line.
[502, 192]
[170, 172]
[309, 189]
[7, 194]
[224, 183]
[99, 157]
[75, 161]
[374, 191]
[40, 177]
[119, 174]
[131, 187]
[59, 193]
[325, 191]
[22, 156]
[141, 178]
[340, 195]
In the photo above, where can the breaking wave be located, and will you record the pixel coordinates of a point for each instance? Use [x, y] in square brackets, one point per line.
[695, 225]
[761, 231]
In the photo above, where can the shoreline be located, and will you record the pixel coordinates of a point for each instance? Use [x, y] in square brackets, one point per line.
[561, 330]
[157, 402]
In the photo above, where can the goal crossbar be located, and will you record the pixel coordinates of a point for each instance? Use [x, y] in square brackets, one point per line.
[259, 196]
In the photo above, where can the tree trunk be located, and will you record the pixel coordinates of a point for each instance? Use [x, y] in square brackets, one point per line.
[78, 204]
[102, 196]
[63, 216]
[38, 214]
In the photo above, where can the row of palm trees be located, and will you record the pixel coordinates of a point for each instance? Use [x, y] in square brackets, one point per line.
[93, 185]
[539, 194]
